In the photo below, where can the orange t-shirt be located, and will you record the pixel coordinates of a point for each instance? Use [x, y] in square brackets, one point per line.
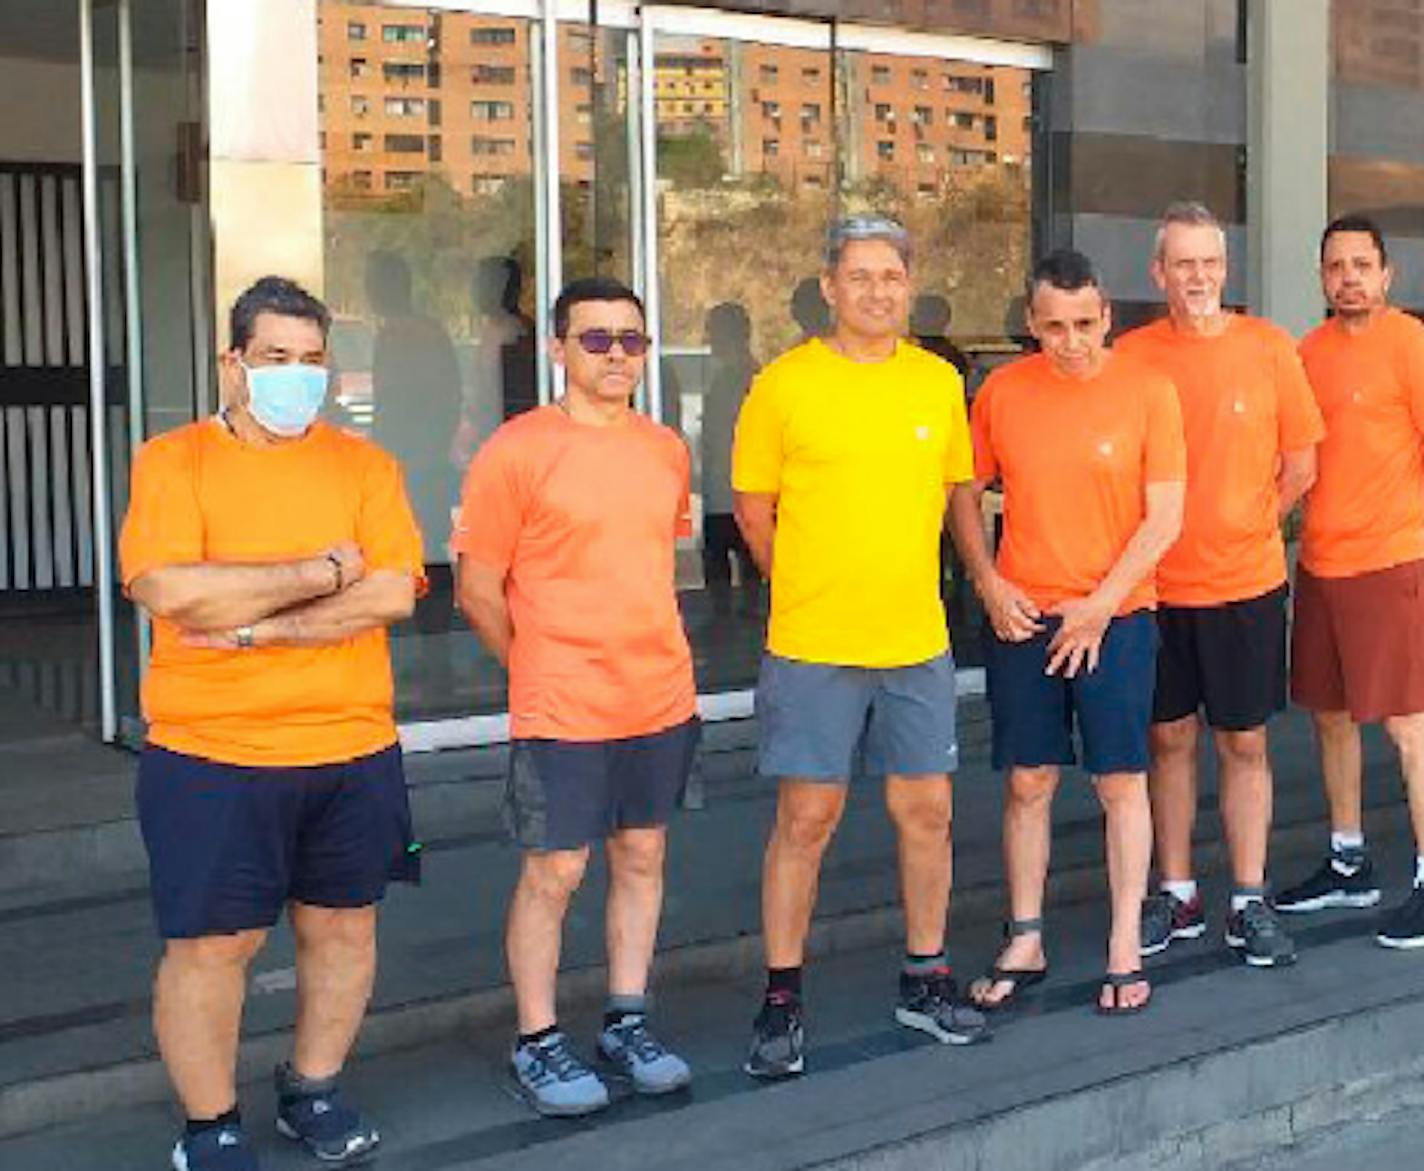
[583, 520]
[201, 495]
[1075, 457]
[1366, 511]
[1244, 401]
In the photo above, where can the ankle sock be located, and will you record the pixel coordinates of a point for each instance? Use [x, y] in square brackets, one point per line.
[231, 1117]
[925, 965]
[541, 1035]
[1419, 872]
[784, 981]
[1184, 891]
[1346, 842]
[621, 1007]
[1242, 895]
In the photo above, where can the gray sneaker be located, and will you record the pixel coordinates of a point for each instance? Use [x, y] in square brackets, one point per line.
[638, 1055]
[1256, 935]
[932, 1005]
[555, 1081]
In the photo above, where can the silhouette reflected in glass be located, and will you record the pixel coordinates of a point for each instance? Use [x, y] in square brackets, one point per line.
[809, 309]
[929, 326]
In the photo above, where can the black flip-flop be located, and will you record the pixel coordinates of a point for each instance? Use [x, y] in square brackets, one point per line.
[1117, 981]
[1019, 980]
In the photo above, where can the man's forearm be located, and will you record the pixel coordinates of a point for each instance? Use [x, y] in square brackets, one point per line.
[756, 517]
[212, 596]
[966, 525]
[489, 618]
[376, 600]
[1156, 534]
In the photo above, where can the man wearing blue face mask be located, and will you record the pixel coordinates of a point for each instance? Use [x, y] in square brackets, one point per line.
[271, 550]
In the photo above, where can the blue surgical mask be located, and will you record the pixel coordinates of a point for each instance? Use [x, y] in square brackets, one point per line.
[285, 399]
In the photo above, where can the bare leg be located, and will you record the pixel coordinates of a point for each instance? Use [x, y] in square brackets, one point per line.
[920, 807]
[197, 1015]
[336, 968]
[1342, 765]
[1172, 782]
[1244, 768]
[547, 881]
[1027, 836]
[1407, 732]
[635, 904]
[807, 813]
[1128, 820]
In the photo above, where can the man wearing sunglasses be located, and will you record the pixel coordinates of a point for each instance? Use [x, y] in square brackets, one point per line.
[566, 537]
[846, 450]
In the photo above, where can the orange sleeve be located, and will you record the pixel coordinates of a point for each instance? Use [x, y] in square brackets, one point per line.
[986, 467]
[491, 507]
[1165, 458]
[1298, 416]
[386, 528]
[164, 524]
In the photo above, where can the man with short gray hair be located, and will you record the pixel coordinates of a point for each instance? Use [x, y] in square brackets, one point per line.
[1251, 427]
[846, 450]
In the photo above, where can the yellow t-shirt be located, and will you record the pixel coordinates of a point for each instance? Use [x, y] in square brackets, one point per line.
[858, 455]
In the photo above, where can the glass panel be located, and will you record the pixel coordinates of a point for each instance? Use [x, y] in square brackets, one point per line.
[746, 173]
[429, 141]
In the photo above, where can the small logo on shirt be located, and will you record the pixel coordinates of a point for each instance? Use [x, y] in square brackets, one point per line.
[1357, 396]
[1105, 448]
[922, 432]
[1239, 407]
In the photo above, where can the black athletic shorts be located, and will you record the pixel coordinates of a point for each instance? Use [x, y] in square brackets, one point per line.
[1229, 660]
[566, 794]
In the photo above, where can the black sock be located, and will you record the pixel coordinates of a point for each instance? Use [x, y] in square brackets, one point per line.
[541, 1035]
[228, 1118]
[920, 966]
[784, 982]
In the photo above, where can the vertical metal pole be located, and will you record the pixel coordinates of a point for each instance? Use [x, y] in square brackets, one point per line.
[133, 310]
[553, 211]
[651, 300]
[98, 363]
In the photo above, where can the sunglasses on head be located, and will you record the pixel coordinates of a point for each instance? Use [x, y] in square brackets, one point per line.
[601, 341]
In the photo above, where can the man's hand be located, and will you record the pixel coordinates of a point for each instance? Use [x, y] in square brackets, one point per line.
[353, 565]
[211, 640]
[1079, 640]
[1012, 612]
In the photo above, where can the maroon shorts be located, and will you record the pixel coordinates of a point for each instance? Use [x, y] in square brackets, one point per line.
[1357, 643]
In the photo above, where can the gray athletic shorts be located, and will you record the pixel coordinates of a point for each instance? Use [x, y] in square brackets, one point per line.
[822, 722]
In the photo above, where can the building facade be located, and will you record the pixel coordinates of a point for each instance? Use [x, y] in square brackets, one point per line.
[448, 164]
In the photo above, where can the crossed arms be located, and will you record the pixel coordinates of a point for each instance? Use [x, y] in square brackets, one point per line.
[307, 602]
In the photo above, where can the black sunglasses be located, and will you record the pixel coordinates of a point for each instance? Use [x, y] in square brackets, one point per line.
[601, 341]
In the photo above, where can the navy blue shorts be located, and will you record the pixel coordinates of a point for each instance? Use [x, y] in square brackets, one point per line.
[566, 794]
[1033, 713]
[229, 846]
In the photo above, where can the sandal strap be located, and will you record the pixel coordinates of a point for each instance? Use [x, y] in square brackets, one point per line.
[1013, 928]
[1124, 979]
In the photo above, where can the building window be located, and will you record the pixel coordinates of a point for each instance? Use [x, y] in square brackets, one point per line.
[925, 152]
[964, 85]
[435, 151]
[405, 144]
[404, 72]
[771, 147]
[433, 109]
[361, 180]
[493, 75]
[768, 74]
[991, 127]
[886, 150]
[811, 75]
[964, 121]
[923, 116]
[355, 30]
[771, 110]
[581, 75]
[491, 146]
[583, 151]
[405, 107]
[884, 112]
[584, 113]
[360, 67]
[492, 36]
[810, 112]
[492, 111]
[360, 105]
[360, 141]
[401, 180]
[815, 148]
[919, 78]
[402, 34]
[989, 90]
[880, 75]
[812, 181]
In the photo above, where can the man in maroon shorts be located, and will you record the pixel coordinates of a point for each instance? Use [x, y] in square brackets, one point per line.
[1358, 639]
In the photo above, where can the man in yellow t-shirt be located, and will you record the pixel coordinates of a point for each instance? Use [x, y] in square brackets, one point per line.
[846, 450]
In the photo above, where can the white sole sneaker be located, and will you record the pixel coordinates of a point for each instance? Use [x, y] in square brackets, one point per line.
[927, 1024]
[1335, 900]
[1400, 944]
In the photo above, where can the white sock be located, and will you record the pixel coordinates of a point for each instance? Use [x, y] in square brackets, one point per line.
[1341, 841]
[1419, 871]
[1239, 900]
[1183, 892]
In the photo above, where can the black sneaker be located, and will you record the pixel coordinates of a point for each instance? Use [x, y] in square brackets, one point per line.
[778, 1040]
[932, 1005]
[218, 1148]
[1256, 935]
[1165, 917]
[319, 1119]
[1402, 927]
[1343, 880]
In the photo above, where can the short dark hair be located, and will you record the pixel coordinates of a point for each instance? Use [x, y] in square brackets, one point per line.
[1354, 223]
[273, 294]
[1065, 269]
[591, 288]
